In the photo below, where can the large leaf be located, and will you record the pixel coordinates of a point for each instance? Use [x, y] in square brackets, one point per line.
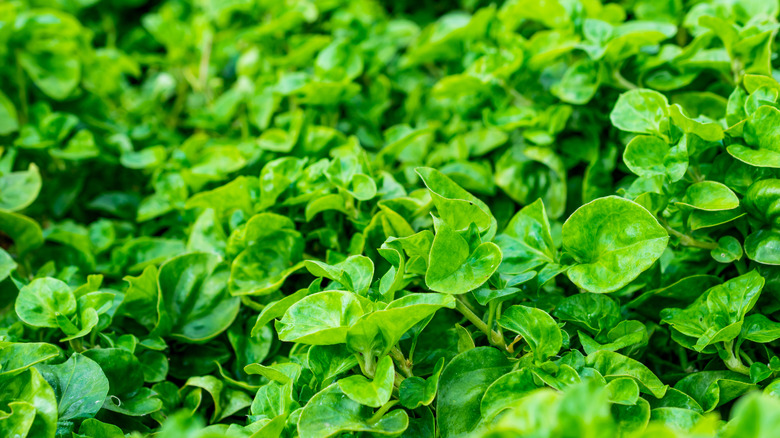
[79, 384]
[461, 387]
[194, 303]
[330, 412]
[613, 240]
[454, 267]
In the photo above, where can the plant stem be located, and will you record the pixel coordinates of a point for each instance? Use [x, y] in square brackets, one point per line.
[623, 82]
[733, 362]
[205, 59]
[491, 314]
[683, 358]
[76, 344]
[245, 300]
[404, 366]
[687, 240]
[382, 411]
[493, 337]
[22, 83]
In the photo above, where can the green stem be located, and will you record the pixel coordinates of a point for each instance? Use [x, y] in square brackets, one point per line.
[404, 366]
[245, 300]
[179, 101]
[733, 362]
[22, 84]
[498, 315]
[110, 28]
[491, 314]
[382, 411]
[747, 358]
[621, 81]
[687, 240]
[77, 345]
[683, 358]
[493, 337]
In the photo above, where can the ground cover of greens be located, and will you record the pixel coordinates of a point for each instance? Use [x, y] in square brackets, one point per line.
[282, 218]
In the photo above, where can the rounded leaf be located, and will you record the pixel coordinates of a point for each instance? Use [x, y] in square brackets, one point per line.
[43, 300]
[537, 327]
[640, 110]
[613, 240]
[762, 201]
[709, 196]
[453, 269]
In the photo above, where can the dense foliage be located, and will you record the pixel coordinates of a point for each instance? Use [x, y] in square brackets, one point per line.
[264, 218]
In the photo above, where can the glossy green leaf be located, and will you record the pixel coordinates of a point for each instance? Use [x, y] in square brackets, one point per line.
[377, 332]
[526, 242]
[41, 302]
[642, 111]
[195, 283]
[761, 149]
[536, 327]
[457, 207]
[613, 240]
[709, 196]
[79, 385]
[463, 384]
[374, 393]
[718, 314]
[614, 365]
[320, 319]
[330, 412]
[454, 267]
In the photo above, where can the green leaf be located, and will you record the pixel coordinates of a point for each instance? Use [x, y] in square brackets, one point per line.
[711, 389]
[709, 196]
[194, 304]
[330, 412]
[526, 242]
[227, 401]
[378, 331]
[613, 240]
[96, 429]
[457, 207]
[462, 386]
[320, 319]
[728, 250]
[456, 269]
[506, 391]
[79, 385]
[273, 250]
[595, 313]
[277, 309]
[580, 82]
[416, 391]
[641, 111]
[761, 149]
[41, 302]
[19, 189]
[536, 327]
[759, 328]
[25, 232]
[17, 357]
[374, 393]
[717, 315]
[8, 118]
[613, 365]
[648, 156]
[355, 273]
[752, 417]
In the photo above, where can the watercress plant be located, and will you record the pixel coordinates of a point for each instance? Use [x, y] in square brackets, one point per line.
[466, 218]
